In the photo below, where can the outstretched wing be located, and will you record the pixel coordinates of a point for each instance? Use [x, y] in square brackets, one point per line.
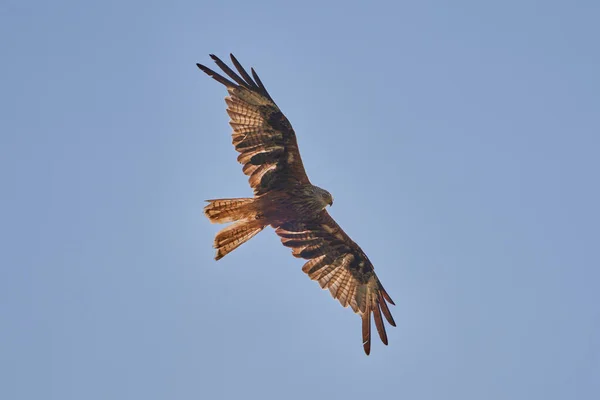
[261, 133]
[340, 265]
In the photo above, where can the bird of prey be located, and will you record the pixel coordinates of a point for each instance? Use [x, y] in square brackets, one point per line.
[285, 199]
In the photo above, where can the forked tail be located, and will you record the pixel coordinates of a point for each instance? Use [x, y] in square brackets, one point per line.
[229, 210]
[246, 225]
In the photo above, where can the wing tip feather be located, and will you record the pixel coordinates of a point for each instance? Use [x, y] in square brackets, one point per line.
[379, 324]
[216, 76]
[366, 331]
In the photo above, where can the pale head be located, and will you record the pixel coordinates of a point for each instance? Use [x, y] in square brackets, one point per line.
[325, 198]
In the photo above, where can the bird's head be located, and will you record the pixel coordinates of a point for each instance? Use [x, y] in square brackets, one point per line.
[329, 199]
[325, 198]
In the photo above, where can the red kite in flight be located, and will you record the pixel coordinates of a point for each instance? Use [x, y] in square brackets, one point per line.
[285, 199]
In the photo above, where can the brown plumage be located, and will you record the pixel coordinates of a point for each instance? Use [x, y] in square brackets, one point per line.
[285, 199]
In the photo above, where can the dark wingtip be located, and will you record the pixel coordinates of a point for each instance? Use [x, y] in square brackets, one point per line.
[205, 69]
[387, 296]
[233, 59]
[260, 84]
[379, 324]
[216, 76]
[366, 331]
[384, 308]
[247, 78]
[216, 59]
[367, 347]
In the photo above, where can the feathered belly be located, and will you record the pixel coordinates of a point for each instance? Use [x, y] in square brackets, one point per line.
[278, 207]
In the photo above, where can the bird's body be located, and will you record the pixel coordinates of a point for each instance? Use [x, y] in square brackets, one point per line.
[285, 199]
[300, 202]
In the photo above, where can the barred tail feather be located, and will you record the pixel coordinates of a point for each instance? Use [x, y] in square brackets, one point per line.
[229, 210]
[234, 235]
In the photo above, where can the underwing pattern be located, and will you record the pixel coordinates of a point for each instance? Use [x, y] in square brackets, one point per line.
[285, 199]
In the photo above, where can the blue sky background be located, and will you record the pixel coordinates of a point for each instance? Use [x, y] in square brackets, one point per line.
[459, 139]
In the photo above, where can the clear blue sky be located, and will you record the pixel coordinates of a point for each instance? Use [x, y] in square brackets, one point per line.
[459, 139]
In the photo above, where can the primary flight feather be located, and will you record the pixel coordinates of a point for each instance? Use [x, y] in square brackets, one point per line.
[285, 199]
